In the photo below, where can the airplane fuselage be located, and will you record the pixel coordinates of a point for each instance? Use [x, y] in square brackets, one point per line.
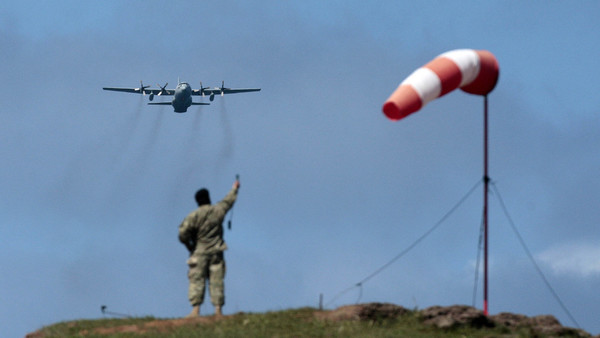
[182, 99]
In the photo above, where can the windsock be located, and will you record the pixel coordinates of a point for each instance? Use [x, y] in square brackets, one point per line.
[473, 71]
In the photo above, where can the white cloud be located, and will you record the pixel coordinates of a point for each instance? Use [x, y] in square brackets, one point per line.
[579, 259]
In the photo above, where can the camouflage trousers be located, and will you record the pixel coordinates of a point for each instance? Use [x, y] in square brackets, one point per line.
[203, 268]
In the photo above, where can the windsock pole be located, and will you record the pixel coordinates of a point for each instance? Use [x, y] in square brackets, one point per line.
[486, 180]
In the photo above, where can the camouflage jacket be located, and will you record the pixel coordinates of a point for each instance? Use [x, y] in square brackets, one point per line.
[202, 230]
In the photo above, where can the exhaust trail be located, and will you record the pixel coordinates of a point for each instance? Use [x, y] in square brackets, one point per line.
[226, 151]
[109, 154]
[132, 171]
[128, 132]
[151, 140]
[201, 167]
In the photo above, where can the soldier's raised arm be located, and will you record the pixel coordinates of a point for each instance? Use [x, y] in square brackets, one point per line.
[227, 202]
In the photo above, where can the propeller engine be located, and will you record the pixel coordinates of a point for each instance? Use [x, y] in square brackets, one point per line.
[162, 89]
[142, 88]
[213, 90]
[201, 89]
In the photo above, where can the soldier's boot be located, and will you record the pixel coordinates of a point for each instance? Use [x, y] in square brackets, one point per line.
[218, 312]
[195, 312]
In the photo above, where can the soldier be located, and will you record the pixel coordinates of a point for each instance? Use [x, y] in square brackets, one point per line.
[202, 234]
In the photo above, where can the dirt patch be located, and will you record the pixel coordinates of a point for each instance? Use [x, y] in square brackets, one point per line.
[545, 324]
[164, 325]
[455, 316]
[370, 311]
[448, 317]
[159, 325]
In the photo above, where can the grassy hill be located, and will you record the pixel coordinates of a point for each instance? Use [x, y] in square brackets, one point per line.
[365, 320]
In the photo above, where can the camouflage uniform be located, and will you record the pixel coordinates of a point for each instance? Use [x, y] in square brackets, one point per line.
[202, 230]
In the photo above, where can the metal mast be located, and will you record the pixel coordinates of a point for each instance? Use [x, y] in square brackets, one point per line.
[486, 180]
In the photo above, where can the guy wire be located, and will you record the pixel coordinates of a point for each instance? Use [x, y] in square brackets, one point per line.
[410, 247]
[514, 228]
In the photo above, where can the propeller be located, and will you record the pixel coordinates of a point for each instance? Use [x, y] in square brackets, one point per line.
[142, 88]
[201, 89]
[162, 89]
[222, 87]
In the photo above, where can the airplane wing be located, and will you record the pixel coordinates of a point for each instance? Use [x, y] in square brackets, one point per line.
[217, 91]
[146, 91]
[240, 90]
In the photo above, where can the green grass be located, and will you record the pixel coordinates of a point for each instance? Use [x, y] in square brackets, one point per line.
[74, 328]
[287, 323]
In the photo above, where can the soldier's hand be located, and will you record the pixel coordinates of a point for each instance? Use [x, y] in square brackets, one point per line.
[236, 184]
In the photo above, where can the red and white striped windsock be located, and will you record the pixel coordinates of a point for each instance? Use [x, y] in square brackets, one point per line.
[473, 71]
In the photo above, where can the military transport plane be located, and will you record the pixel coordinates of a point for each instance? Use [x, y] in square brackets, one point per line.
[182, 94]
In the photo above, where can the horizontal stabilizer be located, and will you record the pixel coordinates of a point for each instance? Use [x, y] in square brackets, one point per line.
[160, 103]
[200, 104]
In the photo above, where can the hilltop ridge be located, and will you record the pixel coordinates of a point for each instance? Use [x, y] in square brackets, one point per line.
[377, 319]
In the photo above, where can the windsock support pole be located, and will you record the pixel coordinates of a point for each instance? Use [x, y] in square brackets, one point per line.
[486, 180]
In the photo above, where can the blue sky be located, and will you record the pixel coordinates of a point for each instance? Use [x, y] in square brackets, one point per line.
[95, 183]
